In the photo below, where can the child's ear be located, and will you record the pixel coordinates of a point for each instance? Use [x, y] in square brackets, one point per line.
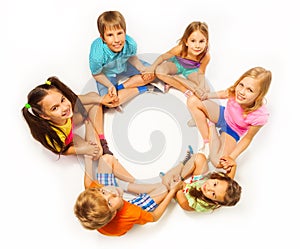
[44, 116]
[102, 38]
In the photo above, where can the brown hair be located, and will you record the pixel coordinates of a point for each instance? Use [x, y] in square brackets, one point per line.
[110, 20]
[203, 28]
[232, 196]
[40, 128]
[92, 210]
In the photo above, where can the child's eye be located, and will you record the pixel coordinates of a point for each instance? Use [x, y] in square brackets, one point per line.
[109, 203]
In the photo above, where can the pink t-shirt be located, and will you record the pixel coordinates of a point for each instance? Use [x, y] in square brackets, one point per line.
[235, 118]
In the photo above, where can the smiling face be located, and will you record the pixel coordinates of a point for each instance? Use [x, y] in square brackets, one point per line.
[246, 91]
[114, 39]
[215, 189]
[113, 196]
[196, 44]
[56, 107]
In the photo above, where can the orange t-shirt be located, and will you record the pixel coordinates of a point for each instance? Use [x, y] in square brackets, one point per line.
[125, 219]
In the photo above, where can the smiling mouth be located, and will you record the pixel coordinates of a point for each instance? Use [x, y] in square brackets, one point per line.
[66, 113]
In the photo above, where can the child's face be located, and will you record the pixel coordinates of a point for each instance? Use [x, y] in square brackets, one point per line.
[114, 197]
[246, 91]
[56, 107]
[114, 39]
[196, 43]
[215, 189]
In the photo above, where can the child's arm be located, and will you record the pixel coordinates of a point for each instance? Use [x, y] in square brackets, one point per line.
[244, 142]
[92, 98]
[201, 85]
[135, 61]
[223, 94]
[82, 148]
[106, 82]
[158, 212]
[165, 56]
[182, 201]
[204, 63]
[88, 173]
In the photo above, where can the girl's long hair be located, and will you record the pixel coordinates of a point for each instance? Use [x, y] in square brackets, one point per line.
[40, 128]
[264, 77]
[203, 28]
[233, 192]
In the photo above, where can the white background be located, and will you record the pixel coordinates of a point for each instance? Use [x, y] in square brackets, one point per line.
[44, 38]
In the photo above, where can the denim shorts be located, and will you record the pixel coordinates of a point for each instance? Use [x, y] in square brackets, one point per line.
[224, 127]
[131, 71]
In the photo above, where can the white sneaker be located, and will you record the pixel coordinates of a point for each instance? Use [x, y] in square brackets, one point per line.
[205, 150]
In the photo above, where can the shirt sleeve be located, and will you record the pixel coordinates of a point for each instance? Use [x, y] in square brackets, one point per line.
[132, 45]
[96, 56]
[259, 117]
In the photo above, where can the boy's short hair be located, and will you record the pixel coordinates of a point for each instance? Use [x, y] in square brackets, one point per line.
[92, 210]
[110, 20]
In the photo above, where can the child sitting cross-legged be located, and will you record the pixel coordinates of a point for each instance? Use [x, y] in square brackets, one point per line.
[101, 205]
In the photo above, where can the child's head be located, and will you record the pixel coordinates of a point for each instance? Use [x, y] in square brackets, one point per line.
[218, 190]
[110, 20]
[251, 88]
[48, 105]
[191, 28]
[95, 207]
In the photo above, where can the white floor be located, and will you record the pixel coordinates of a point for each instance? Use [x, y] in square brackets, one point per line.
[45, 38]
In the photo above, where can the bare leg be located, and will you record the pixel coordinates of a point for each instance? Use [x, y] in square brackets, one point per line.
[136, 81]
[197, 165]
[157, 190]
[200, 111]
[196, 109]
[127, 94]
[214, 144]
[172, 81]
[201, 166]
[111, 164]
[167, 73]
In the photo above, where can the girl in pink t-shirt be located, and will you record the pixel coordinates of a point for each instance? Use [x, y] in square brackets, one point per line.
[238, 122]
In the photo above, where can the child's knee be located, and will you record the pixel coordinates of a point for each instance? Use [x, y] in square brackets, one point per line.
[192, 101]
[108, 158]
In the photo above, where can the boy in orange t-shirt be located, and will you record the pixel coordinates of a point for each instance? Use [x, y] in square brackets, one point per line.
[101, 205]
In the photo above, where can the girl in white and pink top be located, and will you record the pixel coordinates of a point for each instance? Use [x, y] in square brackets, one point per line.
[245, 113]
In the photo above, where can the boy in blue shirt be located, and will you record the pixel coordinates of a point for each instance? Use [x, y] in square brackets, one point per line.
[113, 58]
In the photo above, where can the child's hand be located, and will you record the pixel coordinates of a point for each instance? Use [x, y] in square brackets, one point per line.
[147, 73]
[112, 92]
[109, 101]
[201, 94]
[148, 76]
[176, 183]
[226, 162]
[90, 149]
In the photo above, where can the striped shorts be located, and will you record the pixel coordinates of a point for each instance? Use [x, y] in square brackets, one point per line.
[145, 202]
[107, 179]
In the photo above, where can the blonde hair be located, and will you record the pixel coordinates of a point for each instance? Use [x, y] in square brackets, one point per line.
[194, 26]
[110, 20]
[264, 78]
[92, 210]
